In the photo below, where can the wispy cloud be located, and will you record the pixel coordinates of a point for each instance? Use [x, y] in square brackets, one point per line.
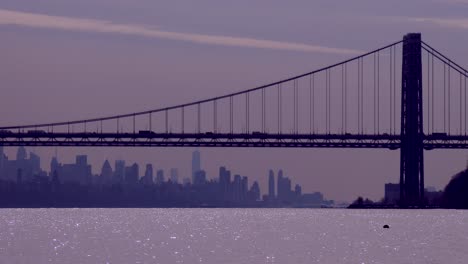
[8, 17]
[461, 23]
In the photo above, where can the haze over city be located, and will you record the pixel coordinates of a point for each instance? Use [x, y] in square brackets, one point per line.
[69, 60]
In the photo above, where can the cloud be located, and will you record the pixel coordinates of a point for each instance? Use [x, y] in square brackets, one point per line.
[34, 20]
[445, 22]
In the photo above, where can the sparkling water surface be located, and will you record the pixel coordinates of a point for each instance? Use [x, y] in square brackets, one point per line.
[232, 236]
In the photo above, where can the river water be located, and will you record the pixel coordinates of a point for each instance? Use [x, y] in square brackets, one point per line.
[232, 236]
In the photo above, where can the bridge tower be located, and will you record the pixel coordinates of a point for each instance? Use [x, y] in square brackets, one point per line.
[411, 155]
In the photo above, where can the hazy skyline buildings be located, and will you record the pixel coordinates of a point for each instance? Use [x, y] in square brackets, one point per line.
[271, 185]
[221, 190]
[196, 164]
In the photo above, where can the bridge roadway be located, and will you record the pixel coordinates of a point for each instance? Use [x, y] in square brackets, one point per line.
[209, 139]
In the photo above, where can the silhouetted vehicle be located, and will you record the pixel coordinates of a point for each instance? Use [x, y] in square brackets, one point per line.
[258, 133]
[146, 132]
[5, 132]
[36, 132]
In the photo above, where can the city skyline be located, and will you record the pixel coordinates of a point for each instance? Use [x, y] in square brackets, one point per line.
[82, 172]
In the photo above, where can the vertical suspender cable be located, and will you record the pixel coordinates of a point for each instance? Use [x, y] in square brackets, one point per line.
[359, 96]
[378, 92]
[150, 122]
[231, 115]
[313, 104]
[167, 121]
[214, 115]
[391, 90]
[346, 97]
[449, 106]
[428, 94]
[461, 113]
[183, 119]
[342, 99]
[445, 99]
[199, 117]
[433, 96]
[310, 104]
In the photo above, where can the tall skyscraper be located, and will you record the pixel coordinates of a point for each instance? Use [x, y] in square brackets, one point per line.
[21, 154]
[174, 175]
[132, 173]
[119, 173]
[81, 160]
[200, 177]
[148, 178]
[271, 185]
[196, 166]
[255, 192]
[106, 173]
[159, 177]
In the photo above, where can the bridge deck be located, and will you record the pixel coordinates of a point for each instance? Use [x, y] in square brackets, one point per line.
[255, 139]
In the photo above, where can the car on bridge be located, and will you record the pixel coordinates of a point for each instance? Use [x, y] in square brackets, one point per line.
[437, 134]
[146, 132]
[6, 132]
[36, 132]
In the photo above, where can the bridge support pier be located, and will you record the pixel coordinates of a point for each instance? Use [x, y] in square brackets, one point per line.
[411, 155]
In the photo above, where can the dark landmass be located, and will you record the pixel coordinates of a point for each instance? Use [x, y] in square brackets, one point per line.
[454, 196]
[456, 192]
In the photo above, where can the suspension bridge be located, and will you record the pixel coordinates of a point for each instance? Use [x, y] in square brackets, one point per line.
[351, 104]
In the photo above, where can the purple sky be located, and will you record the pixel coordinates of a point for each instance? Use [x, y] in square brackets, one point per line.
[63, 60]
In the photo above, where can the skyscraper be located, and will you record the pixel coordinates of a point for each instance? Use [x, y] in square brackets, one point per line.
[148, 178]
[159, 177]
[174, 175]
[200, 177]
[119, 172]
[271, 185]
[196, 166]
[21, 154]
[132, 174]
[106, 173]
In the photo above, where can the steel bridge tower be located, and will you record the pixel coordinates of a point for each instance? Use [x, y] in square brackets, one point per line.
[411, 152]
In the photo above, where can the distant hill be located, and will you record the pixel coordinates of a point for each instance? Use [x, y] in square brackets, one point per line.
[456, 192]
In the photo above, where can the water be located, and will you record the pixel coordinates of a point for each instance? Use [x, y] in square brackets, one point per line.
[232, 236]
